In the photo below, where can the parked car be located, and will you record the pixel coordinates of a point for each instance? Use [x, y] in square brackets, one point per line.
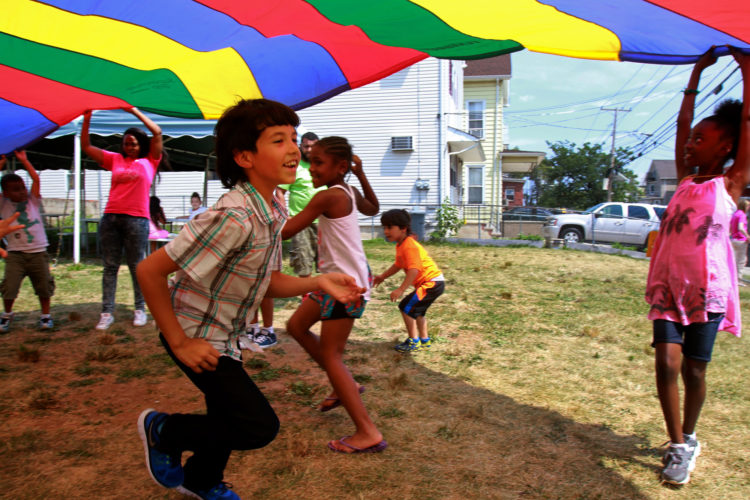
[528, 213]
[611, 222]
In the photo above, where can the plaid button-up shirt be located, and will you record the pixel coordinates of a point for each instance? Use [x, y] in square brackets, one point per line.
[226, 256]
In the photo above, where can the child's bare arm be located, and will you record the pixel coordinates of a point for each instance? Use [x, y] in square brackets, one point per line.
[36, 188]
[742, 229]
[8, 226]
[411, 275]
[152, 275]
[3, 161]
[385, 275]
[685, 116]
[312, 211]
[369, 205]
[340, 286]
[739, 175]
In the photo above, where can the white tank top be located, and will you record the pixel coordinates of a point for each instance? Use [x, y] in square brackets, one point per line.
[340, 245]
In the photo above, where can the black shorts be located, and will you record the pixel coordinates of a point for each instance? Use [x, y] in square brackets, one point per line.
[412, 306]
[697, 339]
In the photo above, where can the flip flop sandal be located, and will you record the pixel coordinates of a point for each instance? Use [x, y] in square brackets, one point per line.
[376, 448]
[336, 401]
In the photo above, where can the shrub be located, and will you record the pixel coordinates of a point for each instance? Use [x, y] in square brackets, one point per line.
[448, 221]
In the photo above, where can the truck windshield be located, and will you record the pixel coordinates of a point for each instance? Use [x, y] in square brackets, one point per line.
[592, 209]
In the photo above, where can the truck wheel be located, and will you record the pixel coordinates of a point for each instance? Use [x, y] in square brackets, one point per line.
[571, 235]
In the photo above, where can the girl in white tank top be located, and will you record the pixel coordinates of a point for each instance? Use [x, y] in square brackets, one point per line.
[339, 250]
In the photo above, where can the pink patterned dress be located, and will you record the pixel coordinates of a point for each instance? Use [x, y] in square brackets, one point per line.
[692, 269]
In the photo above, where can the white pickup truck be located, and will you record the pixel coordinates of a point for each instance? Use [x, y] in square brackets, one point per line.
[610, 222]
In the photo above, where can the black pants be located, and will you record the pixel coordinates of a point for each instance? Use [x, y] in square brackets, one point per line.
[238, 417]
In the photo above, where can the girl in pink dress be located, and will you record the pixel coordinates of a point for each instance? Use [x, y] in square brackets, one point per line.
[692, 279]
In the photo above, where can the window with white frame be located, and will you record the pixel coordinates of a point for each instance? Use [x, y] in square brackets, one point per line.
[476, 118]
[510, 194]
[476, 184]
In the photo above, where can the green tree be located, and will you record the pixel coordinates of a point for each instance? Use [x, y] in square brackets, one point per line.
[573, 177]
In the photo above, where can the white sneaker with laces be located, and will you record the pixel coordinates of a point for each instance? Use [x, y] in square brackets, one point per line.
[105, 321]
[140, 318]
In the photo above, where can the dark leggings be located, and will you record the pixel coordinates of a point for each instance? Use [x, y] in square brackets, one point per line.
[118, 232]
[238, 417]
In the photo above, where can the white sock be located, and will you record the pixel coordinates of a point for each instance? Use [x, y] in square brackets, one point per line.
[253, 326]
[269, 329]
[45, 316]
[688, 436]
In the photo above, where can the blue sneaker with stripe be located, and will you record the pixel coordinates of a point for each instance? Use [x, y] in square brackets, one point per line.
[408, 345]
[165, 468]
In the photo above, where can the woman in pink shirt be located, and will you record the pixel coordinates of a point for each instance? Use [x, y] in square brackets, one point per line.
[124, 225]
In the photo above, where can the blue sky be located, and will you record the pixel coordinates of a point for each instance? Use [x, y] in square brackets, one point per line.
[556, 98]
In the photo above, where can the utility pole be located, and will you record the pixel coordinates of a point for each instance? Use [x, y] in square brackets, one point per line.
[610, 178]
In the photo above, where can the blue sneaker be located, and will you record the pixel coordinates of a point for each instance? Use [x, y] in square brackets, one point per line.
[265, 338]
[165, 468]
[408, 345]
[5, 321]
[45, 323]
[219, 492]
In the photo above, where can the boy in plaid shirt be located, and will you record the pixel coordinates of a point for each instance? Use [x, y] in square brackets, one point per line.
[225, 261]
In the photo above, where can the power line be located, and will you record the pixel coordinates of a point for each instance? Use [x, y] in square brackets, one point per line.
[610, 177]
[667, 134]
[585, 138]
[669, 124]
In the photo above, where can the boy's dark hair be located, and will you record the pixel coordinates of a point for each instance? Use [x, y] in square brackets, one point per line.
[338, 147]
[397, 217]
[310, 136]
[195, 195]
[728, 117]
[144, 143]
[239, 128]
[8, 178]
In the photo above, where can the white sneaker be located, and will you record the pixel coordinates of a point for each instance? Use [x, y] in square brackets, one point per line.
[140, 318]
[105, 321]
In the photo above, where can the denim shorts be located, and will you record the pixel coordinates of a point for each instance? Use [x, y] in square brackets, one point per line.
[697, 339]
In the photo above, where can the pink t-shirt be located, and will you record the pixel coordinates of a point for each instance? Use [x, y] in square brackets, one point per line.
[131, 183]
[692, 270]
[738, 218]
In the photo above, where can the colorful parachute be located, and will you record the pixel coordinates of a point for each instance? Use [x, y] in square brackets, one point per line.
[194, 58]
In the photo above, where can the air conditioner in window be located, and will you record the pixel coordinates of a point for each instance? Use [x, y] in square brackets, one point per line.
[402, 143]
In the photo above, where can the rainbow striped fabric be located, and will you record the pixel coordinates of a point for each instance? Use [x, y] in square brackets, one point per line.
[194, 58]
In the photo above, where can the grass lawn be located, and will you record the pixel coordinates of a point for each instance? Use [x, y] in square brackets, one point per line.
[539, 385]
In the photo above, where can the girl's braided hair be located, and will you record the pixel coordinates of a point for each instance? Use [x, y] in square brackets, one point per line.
[338, 147]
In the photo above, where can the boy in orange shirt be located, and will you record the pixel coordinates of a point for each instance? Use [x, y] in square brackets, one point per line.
[421, 271]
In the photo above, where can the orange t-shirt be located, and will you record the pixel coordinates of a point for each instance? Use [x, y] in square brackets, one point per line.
[411, 255]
